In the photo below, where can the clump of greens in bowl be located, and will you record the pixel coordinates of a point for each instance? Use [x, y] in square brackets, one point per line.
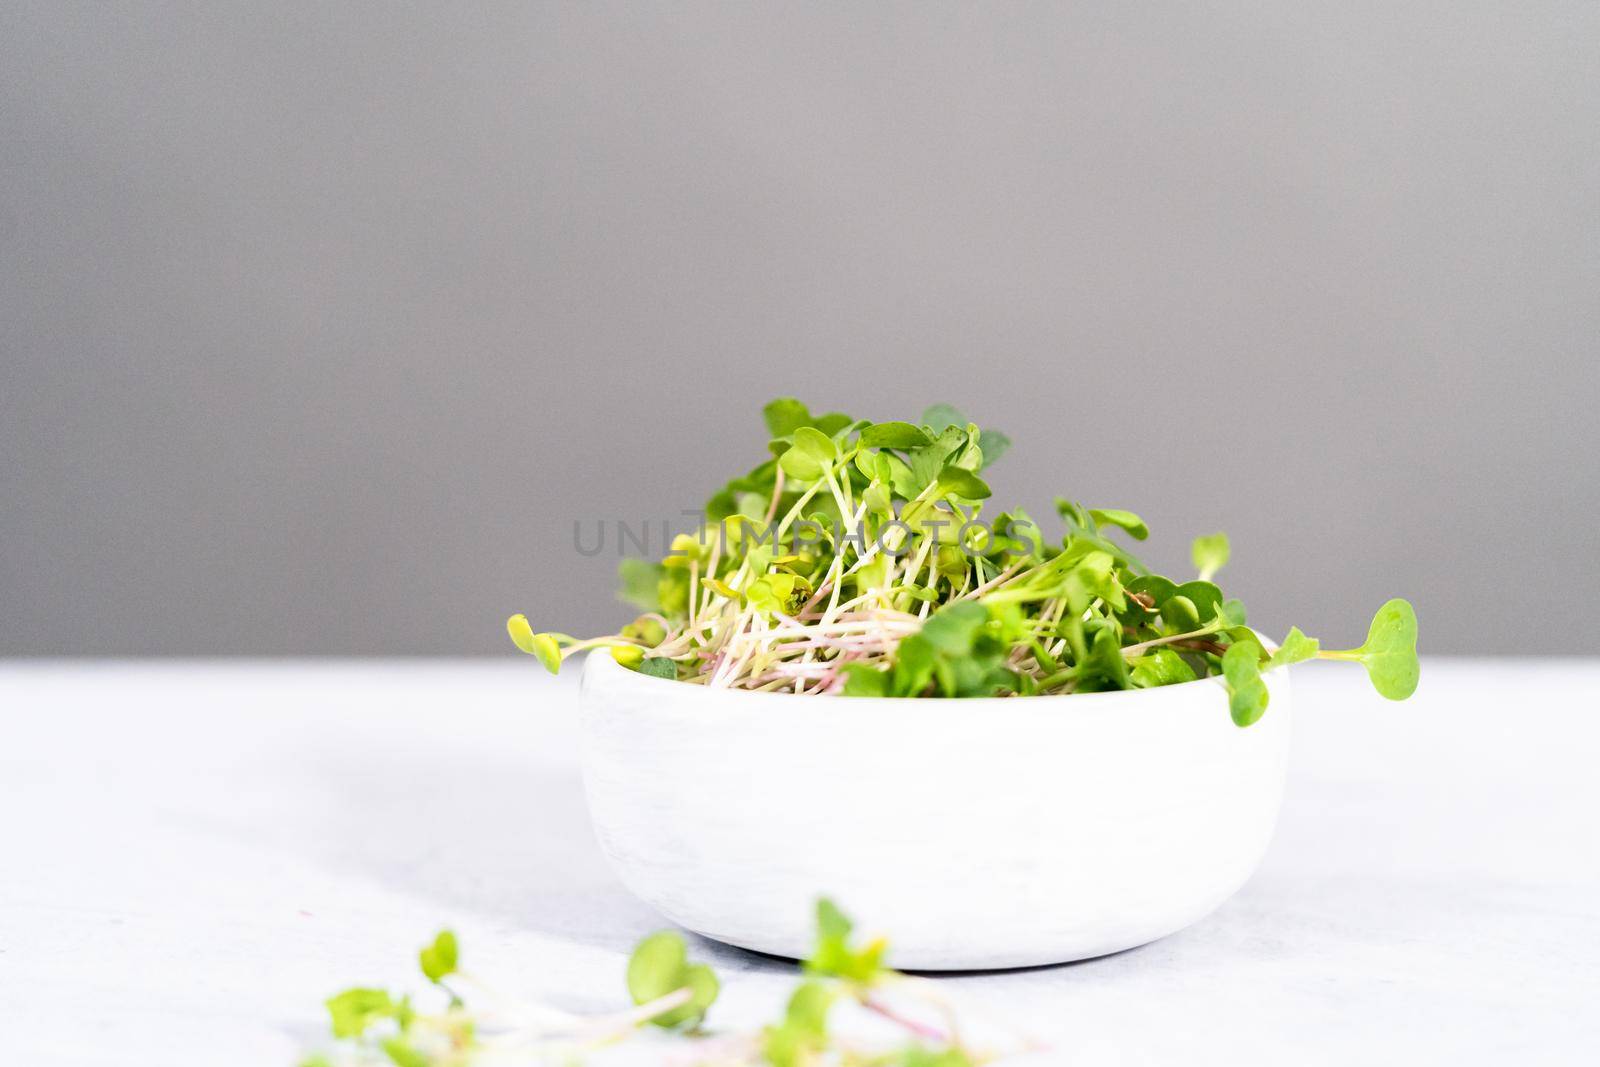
[859, 560]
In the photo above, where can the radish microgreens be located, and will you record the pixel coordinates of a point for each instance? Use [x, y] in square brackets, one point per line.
[374, 1026]
[857, 560]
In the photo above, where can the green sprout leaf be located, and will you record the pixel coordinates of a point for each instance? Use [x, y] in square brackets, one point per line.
[352, 1011]
[777, 592]
[1206, 598]
[703, 987]
[1082, 528]
[941, 417]
[1247, 693]
[1296, 648]
[802, 1036]
[816, 444]
[993, 444]
[647, 629]
[810, 455]
[928, 461]
[953, 627]
[1105, 667]
[834, 957]
[1125, 520]
[785, 415]
[962, 483]
[1209, 554]
[1390, 651]
[659, 966]
[900, 435]
[918, 1056]
[865, 680]
[1157, 588]
[403, 1054]
[439, 958]
[1180, 614]
[721, 588]
[658, 667]
[543, 646]
[521, 633]
[641, 583]
[656, 966]
[954, 652]
[799, 464]
[1162, 667]
[831, 423]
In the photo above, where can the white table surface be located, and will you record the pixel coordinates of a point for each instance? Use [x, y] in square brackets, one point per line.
[192, 855]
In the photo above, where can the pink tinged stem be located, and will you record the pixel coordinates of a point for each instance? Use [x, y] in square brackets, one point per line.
[922, 1030]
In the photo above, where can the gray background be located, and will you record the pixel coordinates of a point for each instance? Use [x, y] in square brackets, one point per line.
[321, 324]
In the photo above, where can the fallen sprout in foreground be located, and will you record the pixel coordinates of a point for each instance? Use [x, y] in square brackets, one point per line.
[858, 561]
[375, 1026]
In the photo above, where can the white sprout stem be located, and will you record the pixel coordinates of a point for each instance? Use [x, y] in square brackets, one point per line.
[794, 512]
[1204, 631]
[835, 579]
[838, 581]
[998, 580]
[693, 623]
[610, 641]
[711, 568]
[609, 1028]
[879, 543]
[731, 666]
[777, 494]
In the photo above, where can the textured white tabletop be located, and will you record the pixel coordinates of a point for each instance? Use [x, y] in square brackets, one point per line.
[192, 855]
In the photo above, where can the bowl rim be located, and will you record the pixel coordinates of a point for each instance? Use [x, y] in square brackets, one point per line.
[606, 667]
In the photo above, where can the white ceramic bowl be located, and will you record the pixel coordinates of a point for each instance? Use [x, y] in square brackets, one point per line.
[973, 833]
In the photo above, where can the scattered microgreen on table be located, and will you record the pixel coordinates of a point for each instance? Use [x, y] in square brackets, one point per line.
[858, 560]
[374, 1026]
